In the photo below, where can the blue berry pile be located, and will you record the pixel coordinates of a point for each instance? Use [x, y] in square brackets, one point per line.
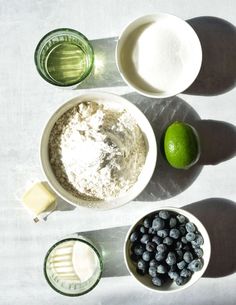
[166, 247]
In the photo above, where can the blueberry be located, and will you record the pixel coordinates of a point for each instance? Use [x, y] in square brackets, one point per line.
[145, 238]
[162, 269]
[141, 271]
[195, 265]
[163, 233]
[158, 223]
[153, 263]
[168, 241]
[179, 254]
[161, 248]
[198, 241]
[164, 214]
[147, 222]
[157, 240]
[134, 236]
[157, 281]
[185, 273]
[172, 222]
[190, 236]
[141, 264]
[173, 275]
[171, 258]
[199, 252]
[178, 245]
[174, 233]
[150, 246]
[181, 265]
[181, 218]
[195, 245]
[190, 227]
[182, 230]
[188, 257]
[143, 230]
[160, 256]
[184, 240]
[139, 249]
[152, 271]
[151, 231]
[181, 281]
[147, 256]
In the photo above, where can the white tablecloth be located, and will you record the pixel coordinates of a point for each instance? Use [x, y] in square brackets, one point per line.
[27, 102]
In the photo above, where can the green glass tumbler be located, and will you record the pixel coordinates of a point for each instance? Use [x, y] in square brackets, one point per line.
[64, 57]
[73, 266]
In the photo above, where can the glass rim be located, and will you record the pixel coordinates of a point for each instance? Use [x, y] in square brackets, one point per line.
[54, 246]
[73, 32]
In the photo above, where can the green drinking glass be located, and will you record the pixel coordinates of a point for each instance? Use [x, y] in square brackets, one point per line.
[64, 57]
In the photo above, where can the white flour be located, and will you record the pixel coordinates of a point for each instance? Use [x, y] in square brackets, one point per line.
[96, 153]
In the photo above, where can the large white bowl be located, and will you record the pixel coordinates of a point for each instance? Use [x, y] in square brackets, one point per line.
[113, 102]
[161, 41]
[145, 280]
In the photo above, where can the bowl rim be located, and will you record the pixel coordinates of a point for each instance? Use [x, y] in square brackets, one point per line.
[146, 172]
[193, 219]
[151, 18]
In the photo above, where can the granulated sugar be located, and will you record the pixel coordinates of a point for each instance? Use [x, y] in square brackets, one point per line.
[96, 152]
[159, 57]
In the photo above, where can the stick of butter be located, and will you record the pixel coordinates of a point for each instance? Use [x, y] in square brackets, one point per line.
[39, 199]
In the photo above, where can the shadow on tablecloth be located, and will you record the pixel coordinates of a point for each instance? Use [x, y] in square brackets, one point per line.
[105, 72]
[217, 142]
[166, 181]
[110, 243]
[218, 41]
[218, 216]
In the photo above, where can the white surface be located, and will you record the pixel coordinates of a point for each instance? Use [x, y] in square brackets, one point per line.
[27, 101]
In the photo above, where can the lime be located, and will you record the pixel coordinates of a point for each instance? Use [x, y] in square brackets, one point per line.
[181, 145]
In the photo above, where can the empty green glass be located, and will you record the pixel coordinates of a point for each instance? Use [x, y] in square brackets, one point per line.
[64, 57]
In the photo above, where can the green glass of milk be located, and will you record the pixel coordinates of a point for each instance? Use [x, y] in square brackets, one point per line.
[73, 266]
[64, 57]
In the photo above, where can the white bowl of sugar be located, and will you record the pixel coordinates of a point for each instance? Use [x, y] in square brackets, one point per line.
[98, 151]
[158, 55]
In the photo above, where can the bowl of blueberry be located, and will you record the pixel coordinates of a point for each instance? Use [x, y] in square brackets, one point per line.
[167, 250]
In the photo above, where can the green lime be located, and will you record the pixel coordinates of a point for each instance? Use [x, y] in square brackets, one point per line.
[181, 145]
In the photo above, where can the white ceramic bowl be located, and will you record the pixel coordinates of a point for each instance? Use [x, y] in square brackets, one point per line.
[158, 55]
[168, 288]
[113, 102]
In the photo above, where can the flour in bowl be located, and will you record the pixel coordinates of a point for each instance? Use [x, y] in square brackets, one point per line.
[96, 152]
